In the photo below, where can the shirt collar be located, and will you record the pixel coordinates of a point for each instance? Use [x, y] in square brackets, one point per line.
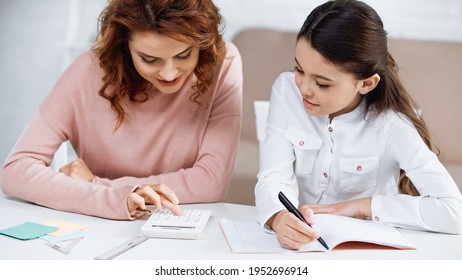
[358, 113]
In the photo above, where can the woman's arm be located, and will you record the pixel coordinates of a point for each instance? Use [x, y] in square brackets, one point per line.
[158, 195]
[27, 175]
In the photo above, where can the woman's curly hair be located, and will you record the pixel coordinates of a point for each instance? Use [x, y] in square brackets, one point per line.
[195, 22]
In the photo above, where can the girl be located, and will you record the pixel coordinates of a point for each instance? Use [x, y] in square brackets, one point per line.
[153, 112]
[344, 137]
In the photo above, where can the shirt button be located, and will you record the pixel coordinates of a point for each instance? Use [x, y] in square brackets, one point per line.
[325, 175]
[331, 150]
[330, 129]
[301, 143]
[359, 168]
[376, 218]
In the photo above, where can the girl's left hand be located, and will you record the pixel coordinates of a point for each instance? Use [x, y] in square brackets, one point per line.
[77, 169]
[357, 208]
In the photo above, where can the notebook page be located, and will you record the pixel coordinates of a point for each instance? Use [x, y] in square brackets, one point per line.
[336, 229]
[249, 237]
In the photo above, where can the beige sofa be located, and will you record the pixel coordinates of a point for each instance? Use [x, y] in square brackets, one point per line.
[431, 71]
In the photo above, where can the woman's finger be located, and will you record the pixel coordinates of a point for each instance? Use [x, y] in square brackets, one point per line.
[150, 196]
[134, 202]
[175, 208]
[161, 196]
[166, 192]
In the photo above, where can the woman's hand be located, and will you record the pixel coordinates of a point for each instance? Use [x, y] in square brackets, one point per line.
[160, 195]
[77, 169]
[290, 231]
[357, 208]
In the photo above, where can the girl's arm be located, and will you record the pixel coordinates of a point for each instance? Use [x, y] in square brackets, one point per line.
[276, 158]
[438, 207]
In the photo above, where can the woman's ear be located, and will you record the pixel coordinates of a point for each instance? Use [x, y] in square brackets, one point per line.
[369, 84]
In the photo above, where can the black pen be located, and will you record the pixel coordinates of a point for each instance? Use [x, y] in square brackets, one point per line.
[286, 202]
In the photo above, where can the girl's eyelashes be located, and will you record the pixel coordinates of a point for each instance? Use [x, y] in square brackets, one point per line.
[298, 69]
[322, 85]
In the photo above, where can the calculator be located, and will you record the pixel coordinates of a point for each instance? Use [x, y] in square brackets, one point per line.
[164, 224]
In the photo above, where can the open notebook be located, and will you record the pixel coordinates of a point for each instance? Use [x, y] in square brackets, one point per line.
[249, 237]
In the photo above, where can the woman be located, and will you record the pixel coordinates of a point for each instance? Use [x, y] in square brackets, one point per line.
[153, 112]
[344, 137]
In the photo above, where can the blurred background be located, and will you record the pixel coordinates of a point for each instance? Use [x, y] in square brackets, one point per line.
[39, 38]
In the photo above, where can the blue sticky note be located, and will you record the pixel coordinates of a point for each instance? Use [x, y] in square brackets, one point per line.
[28, 230]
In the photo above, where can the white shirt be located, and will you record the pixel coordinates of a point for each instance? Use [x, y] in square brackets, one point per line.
[356, 155]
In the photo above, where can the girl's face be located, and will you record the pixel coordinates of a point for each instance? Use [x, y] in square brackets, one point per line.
[161, 60]
[325, 89]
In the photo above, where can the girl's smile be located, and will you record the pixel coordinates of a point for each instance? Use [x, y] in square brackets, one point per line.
[308, 105]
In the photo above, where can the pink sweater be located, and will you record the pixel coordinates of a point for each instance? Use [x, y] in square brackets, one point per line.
[168, 139]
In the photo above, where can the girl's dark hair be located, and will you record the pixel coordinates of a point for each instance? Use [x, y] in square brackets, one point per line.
[350, 34]
[195, 22]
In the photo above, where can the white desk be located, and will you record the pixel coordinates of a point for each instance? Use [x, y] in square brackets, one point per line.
[103, 235]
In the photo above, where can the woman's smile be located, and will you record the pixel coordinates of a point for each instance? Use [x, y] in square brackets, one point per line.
[171, 83]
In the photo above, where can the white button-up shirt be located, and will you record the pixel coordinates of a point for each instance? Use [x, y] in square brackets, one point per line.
[312, 160]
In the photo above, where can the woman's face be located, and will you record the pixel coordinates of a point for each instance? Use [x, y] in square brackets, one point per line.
[325, 89]
[161, 60]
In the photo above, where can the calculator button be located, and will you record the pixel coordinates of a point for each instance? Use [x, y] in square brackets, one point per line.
[163, 223]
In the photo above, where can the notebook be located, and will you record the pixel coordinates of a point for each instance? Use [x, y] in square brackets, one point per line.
[249, 237]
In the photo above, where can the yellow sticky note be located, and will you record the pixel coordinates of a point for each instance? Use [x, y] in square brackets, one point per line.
[64, 227]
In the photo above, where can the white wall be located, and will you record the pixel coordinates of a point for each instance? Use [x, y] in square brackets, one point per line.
[34, 35]
[413, 19]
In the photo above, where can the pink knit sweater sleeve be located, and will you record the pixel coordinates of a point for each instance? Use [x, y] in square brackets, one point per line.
[27, 174]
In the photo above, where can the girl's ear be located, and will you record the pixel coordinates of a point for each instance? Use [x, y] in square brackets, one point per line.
[369, 84]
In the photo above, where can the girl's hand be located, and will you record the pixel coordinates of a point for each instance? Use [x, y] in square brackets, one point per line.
[357, 208]
[160, 195]
[77, 169]
[290, 231]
